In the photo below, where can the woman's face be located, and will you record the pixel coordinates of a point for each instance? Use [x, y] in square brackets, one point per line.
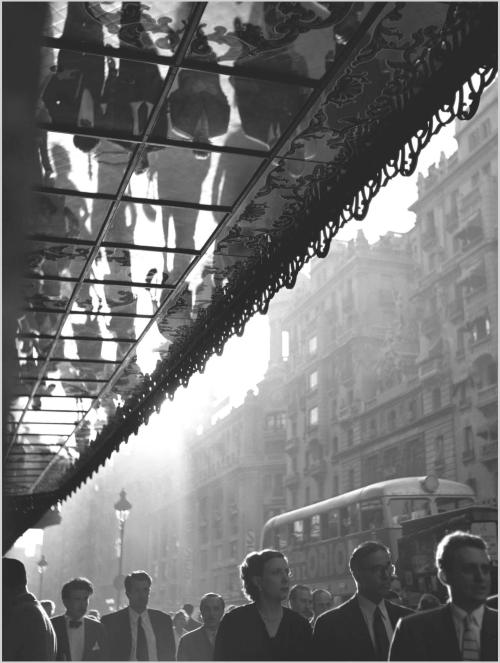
[274, 583]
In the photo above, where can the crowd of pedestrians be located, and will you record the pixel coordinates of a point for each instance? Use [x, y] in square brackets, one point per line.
[279, 622]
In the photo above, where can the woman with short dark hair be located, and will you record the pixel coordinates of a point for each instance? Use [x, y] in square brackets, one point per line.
[264, 630]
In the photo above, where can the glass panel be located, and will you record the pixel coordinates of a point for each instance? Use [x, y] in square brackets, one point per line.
[104, 348]
[349, 519]
[51, 428]
[179, 175]
[119, 326]
[372, 514]
[315, 528]
[293, 38]
[65, 216]
[105, 93]
[37, 417]
[330, 524]
[450, 503]
[158, 25]
[297, 532]
[46, 259]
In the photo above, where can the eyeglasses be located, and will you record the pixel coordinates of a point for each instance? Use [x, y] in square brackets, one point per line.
[388, 569]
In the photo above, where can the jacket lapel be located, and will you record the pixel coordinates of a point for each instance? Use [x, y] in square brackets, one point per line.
[127, 633]
[63, 651]
[489, 635]
[88, 640]
[447, 634]
[362, 634]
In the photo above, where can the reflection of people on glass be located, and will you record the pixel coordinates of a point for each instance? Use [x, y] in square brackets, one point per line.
[72, 96]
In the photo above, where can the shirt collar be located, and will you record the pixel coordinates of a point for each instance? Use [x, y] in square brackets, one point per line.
[368, 607]
[135, 615]
[459, 614]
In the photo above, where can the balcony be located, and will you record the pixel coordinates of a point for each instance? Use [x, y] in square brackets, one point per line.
[429, 238]
[430, 325]
[451, 220]
[292, 445]
[487, 398]
[455, 310]
[292, 479]
[489, 452]
[468, 455]
[429, 368]
[317, 468]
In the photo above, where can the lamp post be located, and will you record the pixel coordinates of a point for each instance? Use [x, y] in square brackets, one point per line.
[122, 509]
[42, 565]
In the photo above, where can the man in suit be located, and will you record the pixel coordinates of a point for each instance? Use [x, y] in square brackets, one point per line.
[321, 602]
[300, 600]
[27, 634]
[361, 628]
[138, 633]
[465, 629]
[191, 624]
[198, 645]
[79, 638]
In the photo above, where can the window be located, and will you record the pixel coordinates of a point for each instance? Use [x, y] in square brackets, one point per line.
[412, 410]
[408, 509]
[481, 328]
[313, 380]
[468, 438]
[439, 450]
[350, 437]
[349, 519]
[391, 420]
[436, 398]
[452, 503]
[330, 524]
[350, 479]
[372, 515]
[335, 485]
[285, 345]
[460, 342]
[298, 531]
[308, 495]
[313, 416]
[233, 550]
[313, 345]
[315, 528]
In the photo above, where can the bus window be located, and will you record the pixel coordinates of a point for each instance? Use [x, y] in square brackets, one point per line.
[315, 532]
[330, 525]
[372, 515]
[349, 519]
[450, 503]
[298, 531]
[408, 509]
[282, 538]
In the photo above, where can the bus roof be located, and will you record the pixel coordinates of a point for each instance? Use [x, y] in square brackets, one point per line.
[403, 487]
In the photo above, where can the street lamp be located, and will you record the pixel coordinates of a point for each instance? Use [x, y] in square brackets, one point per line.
[122, 509]
[42, 565]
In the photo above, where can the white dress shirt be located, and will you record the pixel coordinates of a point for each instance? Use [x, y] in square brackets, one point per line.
[459, 616]
[148, 630]
[76, 638]
[368, 611]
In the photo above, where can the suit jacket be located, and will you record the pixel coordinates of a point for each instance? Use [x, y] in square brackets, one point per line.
[27, 633]
[195, 646]
[431, 636]
[95, 647]
[117, 625]
[341, 634]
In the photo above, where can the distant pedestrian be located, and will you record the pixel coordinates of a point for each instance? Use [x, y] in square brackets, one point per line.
[361, 628]
[465, 628]
[322, 601]
[138, 633]
[300, 601]
[191, 622]
[79, 638]
[264, 630]
[428, 602]
[49, 606]
[198, 645]
[27, 634]
[179, 622]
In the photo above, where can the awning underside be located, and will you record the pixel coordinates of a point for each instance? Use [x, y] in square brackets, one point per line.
[191, 158]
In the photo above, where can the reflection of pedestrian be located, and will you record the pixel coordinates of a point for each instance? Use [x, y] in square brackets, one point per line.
[28, 634]
[264, 630]
[463, 629]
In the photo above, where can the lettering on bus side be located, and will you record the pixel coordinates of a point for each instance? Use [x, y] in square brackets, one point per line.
[322, 561]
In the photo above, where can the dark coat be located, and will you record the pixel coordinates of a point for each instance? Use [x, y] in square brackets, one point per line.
[242, 636]
[195, 646]
[341, 634]
[117, 625]
[95, 645]
[27, 633]
[431, 636]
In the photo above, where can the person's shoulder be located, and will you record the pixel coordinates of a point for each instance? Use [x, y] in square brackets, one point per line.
[294, 617]
[92, 623]
[339, 612]
[242, 612]
[113, 616]
[424, 616]
[159, 614]
[193, 635]
[397, 609]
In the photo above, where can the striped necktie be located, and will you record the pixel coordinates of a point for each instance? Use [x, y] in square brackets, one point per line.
[470, 647]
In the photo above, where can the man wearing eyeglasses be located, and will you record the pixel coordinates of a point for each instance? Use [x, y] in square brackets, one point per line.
[361, 628]
[465, 629]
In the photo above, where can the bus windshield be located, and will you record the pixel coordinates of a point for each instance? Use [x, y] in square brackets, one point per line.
[450, 503]
[402, 509]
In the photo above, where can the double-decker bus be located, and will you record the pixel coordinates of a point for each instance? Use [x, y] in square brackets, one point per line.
[318, 539]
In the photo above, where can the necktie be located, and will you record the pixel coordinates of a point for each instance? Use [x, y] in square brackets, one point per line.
[470, 649]
[381, 639]
[74, 623]
[142, 645]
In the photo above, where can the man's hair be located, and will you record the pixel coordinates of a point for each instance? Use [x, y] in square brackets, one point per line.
[136, 575]
[180, 613]
[188, 608]
[449, 544]
[253, 565]
[13, 573]
[74, 584]
[362, 551]
[49, 606]
[295, 590]
[211, 595]
[85, 143]
[318, 592]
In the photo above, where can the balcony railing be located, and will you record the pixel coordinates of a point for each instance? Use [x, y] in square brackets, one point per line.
[316, 468]
[429, 368]
[487, 395]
